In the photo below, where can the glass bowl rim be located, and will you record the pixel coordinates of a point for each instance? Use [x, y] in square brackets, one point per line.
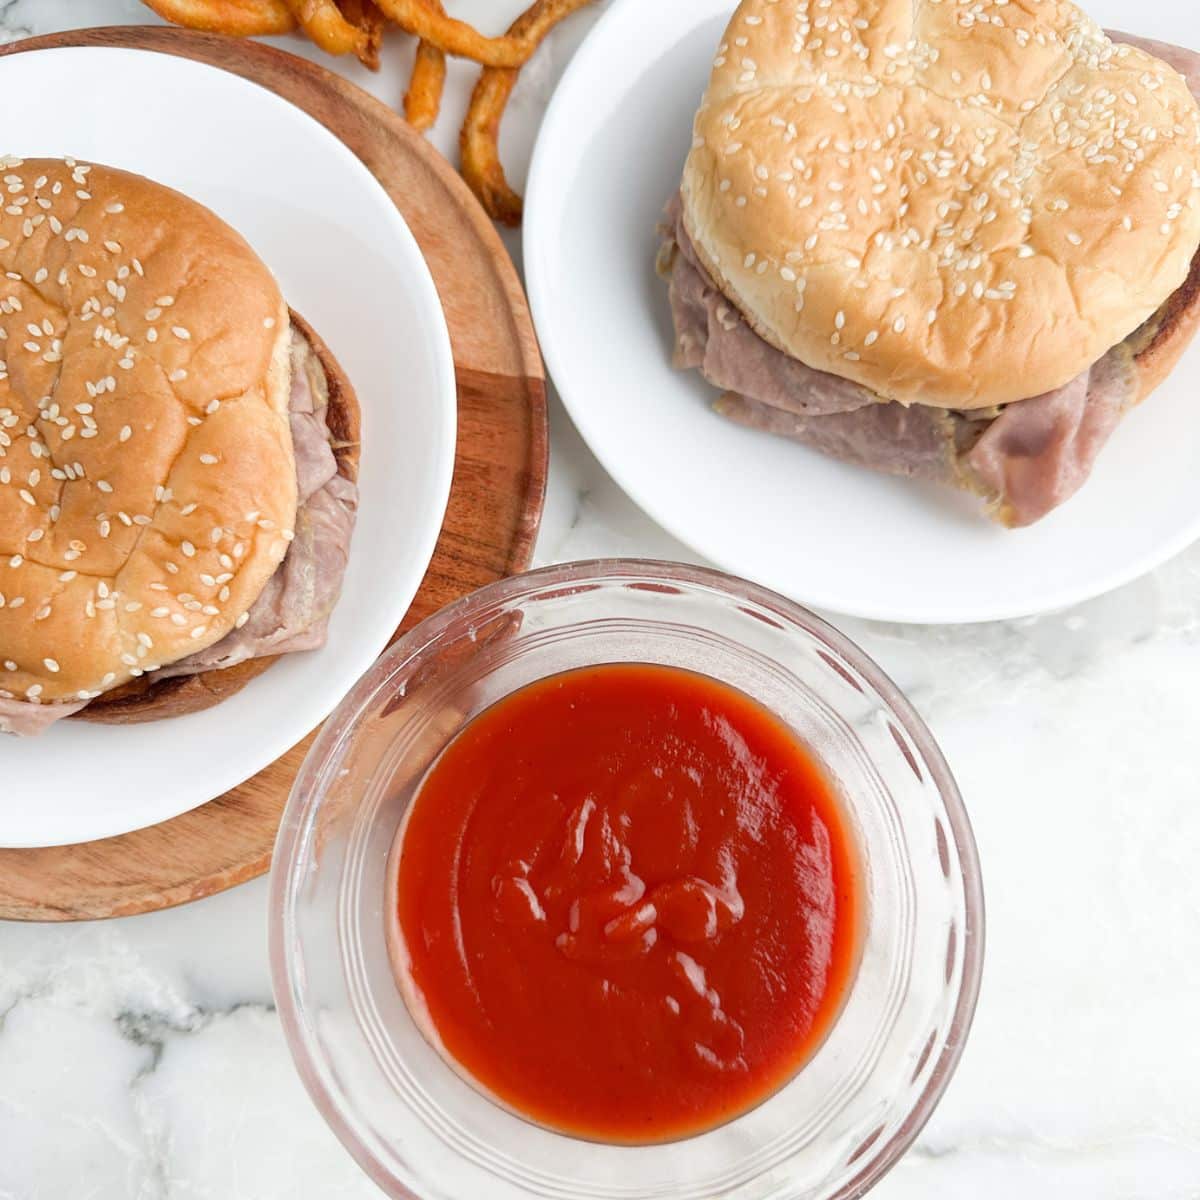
[348, 714]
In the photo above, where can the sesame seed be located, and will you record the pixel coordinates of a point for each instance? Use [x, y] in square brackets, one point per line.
[898, 324]
[208, 459]
[50, 664]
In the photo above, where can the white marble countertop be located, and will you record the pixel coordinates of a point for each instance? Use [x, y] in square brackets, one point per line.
[141, 1059]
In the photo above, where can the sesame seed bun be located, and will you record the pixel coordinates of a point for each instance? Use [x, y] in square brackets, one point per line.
[960, 206]
[147, 479]
[151, 699]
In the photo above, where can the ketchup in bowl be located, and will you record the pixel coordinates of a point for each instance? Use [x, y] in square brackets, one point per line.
[627, 901]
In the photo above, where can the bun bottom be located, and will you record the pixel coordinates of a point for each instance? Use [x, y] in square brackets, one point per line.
[148, 699]
[1159, 344]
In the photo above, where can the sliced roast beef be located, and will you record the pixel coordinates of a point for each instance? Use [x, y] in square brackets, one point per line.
[1024, 459]
[919, 442]
[1038, 453]
[713, 336]
[292, 611]
[26, 719]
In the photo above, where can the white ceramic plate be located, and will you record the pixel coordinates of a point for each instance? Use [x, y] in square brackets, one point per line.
[838, 537]
[332, 237]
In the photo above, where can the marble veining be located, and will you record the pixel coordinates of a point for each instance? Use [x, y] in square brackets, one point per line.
[142, 1059]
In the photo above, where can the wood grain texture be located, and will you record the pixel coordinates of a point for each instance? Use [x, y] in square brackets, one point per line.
[495, 499]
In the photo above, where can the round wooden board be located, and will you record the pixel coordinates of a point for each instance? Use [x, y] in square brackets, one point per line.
[495, 500]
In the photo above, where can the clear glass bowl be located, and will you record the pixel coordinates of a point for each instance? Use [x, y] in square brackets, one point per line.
[412, 1121]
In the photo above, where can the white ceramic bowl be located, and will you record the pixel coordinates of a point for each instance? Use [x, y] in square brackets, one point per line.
[332, 237]
[608, 156]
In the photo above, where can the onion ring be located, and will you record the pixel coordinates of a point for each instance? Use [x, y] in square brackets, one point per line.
[365, 15]
[423, 101]
[322, 20]
[240, 18]
[456, 37]
[479, 139]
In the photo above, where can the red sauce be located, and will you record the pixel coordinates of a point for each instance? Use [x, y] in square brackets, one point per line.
[629, 899]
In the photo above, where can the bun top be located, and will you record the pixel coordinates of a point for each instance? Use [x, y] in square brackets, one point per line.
[147, 479]
[957, 204]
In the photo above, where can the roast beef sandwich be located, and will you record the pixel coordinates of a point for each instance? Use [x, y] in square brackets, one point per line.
[178, 454]
[949, 240]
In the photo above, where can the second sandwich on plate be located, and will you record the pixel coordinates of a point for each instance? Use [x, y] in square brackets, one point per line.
[940, 242]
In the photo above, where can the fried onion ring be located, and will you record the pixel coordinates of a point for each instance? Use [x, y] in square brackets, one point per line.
[456, 37]
[322, 20]
[423, 101]
[240, 18]
[366, 15]
[479, 139]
